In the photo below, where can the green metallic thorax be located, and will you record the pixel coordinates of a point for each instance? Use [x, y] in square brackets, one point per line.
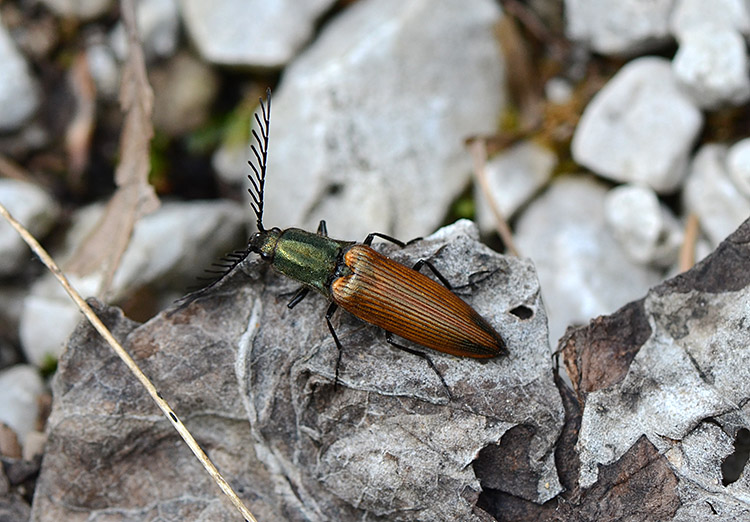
[309, 258]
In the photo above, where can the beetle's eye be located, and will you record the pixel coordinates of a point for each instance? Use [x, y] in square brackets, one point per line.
[265, 256]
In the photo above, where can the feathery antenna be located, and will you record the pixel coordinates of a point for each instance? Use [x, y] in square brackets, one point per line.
[258, 181]
[228, 263]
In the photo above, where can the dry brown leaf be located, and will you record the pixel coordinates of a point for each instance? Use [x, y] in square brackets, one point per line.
[81, 127]
[100, 254]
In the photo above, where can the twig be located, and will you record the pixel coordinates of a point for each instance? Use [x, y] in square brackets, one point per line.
[687, 250]
[120, 351]
[478, 150]
[11, 170]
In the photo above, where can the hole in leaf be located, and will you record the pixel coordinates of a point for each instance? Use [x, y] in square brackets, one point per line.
[522, 312]
[733, 465]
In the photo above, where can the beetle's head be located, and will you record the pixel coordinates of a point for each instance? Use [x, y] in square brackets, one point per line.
[264, 242]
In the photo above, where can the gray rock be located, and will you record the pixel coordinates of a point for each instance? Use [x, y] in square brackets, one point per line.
[723, 15]
[19, 92]
[684, 389]
[645, 229]
[712, 66]
[711, 195]
[14, 507]
[20, 388]
[34, 209]
[81, 9]
[514, 176]
[169, 248]
[368, 132]
[738, 165]
[639, 128]
[618, 26]
[667, 374]
[260, 33]
[254, 381]
[158, 28]
[582, 269]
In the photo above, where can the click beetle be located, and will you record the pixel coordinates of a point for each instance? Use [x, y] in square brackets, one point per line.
[357, 278]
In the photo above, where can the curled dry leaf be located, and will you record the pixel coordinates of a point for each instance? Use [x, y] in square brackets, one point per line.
[99, 255]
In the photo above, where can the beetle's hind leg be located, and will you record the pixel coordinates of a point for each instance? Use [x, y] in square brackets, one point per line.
[392, 342]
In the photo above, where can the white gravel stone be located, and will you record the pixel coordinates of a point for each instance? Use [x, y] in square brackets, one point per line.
[158, 24]
[713, 66]
[34, 209]
[20, 388]
[558, 91]
[19, 93]
[104, 70]
[582, 269]
[81, 9]
[618, 26]
[369, 123]
[711, 195]
[738, 164]
[645, 228]
[514, 176]
[639, 128]
[260, 33]
[169, 248]
[688, 15]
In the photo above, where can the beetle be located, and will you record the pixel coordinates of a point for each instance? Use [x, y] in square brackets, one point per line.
[359, 279]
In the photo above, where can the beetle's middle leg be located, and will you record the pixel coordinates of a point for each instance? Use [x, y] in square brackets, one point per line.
[392, 342]
[329, 313]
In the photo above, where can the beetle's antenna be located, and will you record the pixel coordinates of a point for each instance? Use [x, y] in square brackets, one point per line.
[258, 180]
[260, 149]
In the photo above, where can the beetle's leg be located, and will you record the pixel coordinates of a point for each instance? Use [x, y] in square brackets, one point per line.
[389, 338]
[373, 235]
[322, 228]
[299, 295]
[423, 262]
[329, 314]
